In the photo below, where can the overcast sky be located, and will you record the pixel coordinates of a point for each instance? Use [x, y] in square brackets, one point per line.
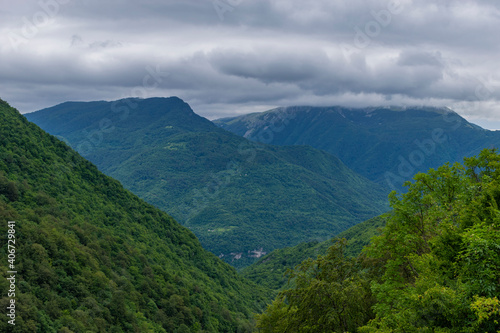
[228, 57]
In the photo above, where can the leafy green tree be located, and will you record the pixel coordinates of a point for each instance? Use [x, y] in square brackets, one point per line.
[440, 252]
[435, 267]
[92, 257]
[331, 294]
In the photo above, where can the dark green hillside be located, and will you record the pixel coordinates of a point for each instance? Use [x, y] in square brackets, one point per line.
[92, 257]
[270, 270]
[239, 197]
[434, 267]
[386, 145]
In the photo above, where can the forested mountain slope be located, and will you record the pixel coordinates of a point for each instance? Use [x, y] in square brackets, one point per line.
[435, 267]
[270, 270]
[93, 257]
[239, 197]
[386, 145]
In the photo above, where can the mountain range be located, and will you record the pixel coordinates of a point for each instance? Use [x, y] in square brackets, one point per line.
[91, 256]
[241, 198]
[387, 145]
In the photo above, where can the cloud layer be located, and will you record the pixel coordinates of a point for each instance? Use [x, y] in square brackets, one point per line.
[226, 57]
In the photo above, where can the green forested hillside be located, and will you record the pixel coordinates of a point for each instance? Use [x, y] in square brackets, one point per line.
[386, 145]
[435, 267]
[270, 271]
[92, 257]
[239, 197]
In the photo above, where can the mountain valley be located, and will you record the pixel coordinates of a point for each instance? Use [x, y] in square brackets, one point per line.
[242, 199]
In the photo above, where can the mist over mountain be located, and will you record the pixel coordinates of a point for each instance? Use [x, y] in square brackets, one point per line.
[241, 198]
[386, 145]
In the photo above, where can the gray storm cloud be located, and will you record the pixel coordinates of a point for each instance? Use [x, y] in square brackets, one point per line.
[233, 56]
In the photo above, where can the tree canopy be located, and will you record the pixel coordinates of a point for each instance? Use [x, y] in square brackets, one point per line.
[434, 268]
[93, 257]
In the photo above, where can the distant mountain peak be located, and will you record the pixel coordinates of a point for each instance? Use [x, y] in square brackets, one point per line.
[132, 112]
[233, 193]
[396, 108]
[281, 116]
[379, 142]
[341, 109]
[110, 261]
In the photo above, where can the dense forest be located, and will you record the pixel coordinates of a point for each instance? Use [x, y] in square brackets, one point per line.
[387, 145]
[240, 198]
[92, 257]
[434, 268]
[270, 270]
